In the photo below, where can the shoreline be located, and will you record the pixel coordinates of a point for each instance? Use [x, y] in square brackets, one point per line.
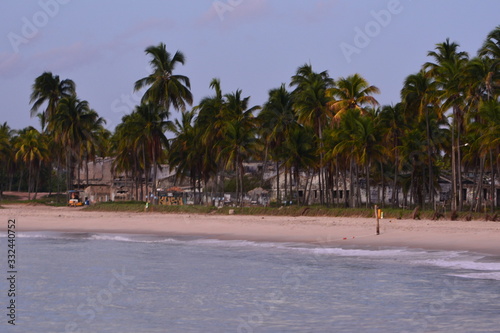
[474, 236]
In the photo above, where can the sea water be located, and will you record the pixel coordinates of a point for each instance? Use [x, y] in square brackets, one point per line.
[83, 282]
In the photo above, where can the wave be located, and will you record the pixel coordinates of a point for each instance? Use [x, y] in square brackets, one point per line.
[480, 276]
[471, 266]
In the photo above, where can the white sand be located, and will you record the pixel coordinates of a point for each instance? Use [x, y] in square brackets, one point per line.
[477, 236]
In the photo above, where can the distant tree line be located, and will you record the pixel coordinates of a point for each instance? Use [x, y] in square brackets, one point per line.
[315, 126]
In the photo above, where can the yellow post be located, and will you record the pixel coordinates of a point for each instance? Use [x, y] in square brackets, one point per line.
[377, 216]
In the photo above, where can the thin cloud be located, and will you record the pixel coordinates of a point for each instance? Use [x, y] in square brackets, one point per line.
[68, 57]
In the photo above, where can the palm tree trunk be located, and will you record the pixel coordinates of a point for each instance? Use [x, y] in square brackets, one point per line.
[395, 198]
[278, 193]
[478, 197]
[351, 185]
[50, 178]
[146, 174]
[242, 173]
[154, 176]
[358, 187]
[29, 181]
[237, 180]
[383, 184]
[286, 185]
[79, 165]
[307, 189]
[368, 191]
[20, 181]
[453, 165]
[68, 174]
[429, 158]
[337, 186]
[37, 177]
[412, 189]
[459, 171]
[492, 182]
[87, 170]
[264, 166]
[58, 176]
[346, 197]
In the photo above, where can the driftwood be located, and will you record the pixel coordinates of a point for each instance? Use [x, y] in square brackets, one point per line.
[493, 218]
[437, 215]
[416, 213]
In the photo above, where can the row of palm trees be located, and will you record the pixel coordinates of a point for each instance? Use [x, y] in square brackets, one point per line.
[316, 129]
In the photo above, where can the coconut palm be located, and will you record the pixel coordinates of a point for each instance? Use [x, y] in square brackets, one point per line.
[32, 149]
[491, 47]
[6, 155]
[420, 98]
[363, 140]
[72, 126]
[351, 93]
[164, 88]
[276, 120]
[187, 153]
[240, 140]
[149, 118]
[210, 129]
[393, 123]
[129, 150]
[299, 155]
[49, 89]
[310, 104]
[487, 143]
[447, 70]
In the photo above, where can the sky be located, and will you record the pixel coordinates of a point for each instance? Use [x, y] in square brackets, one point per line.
[252, 45]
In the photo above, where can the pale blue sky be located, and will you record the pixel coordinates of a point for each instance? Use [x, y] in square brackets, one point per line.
[253, 45]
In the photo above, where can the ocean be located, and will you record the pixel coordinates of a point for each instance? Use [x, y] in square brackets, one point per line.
[83, 282]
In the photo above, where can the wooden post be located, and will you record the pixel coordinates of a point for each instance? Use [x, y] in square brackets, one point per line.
[377, 217]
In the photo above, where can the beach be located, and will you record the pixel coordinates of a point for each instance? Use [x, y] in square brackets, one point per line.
[85, 271]
[475, 236]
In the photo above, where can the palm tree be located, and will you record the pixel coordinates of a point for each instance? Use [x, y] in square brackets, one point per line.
[362, 141]
[310, 104]
[491, 47]
[48, 88]
[94, 142]
[187, 152]
[299, 154]
[210, 130]
[420, 97]
[351, 93]
[154, 126]
[240, 141]
[165, 88]
[393, 124]
[276, 120]
[447, 70]
[6, 155]
[32, 150]
[72, 126]
[487, 141]
[129, 150]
